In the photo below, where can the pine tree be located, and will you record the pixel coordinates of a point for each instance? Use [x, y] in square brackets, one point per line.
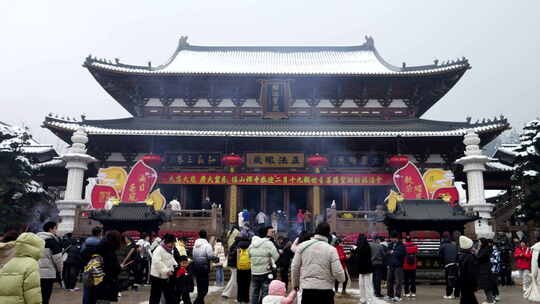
[527, 172]
[19, 193]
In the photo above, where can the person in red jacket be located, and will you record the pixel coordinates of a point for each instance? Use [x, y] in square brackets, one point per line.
[343, 259]
[409, 267]
[523, 256]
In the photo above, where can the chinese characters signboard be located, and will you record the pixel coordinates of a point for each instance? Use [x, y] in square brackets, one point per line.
[100, 195]
[141, 180]
[275, 179]
[193, 160]
[356, 160]
[410, 183]
[275, 160]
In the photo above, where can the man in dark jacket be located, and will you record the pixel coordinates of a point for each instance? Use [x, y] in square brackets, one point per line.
[395, 256]
[378, 252]
[448, 253]
[72, 265]
[467, 271]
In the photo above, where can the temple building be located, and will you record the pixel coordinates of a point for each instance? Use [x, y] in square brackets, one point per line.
[312, 125]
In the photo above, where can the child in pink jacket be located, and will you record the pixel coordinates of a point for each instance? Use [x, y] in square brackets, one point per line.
[276, 294]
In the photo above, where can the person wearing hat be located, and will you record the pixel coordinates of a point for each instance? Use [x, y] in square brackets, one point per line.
[468, 269]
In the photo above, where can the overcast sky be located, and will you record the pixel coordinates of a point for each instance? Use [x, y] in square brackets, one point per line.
[43, 44]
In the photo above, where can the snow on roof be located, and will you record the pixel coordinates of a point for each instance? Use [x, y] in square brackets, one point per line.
[530, 173]
[55, 162]
[493, 193]
[95, 130]
[288, 60]
[31, 146]
[499, 166]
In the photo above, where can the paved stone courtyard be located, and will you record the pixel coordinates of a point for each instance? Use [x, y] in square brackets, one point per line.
[426, 294]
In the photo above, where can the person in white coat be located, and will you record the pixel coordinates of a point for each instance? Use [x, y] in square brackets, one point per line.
[162, 268]
[532, 293]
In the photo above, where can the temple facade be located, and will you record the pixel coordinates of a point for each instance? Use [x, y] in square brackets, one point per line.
[312, 125]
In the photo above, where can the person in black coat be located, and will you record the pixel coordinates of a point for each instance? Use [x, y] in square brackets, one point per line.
[467, 272]
[285, 259]
[72, 265]
[362, 265]
[107, 290]
[485, 277]
[448, 254]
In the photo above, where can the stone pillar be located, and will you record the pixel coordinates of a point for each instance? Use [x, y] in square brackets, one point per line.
[474, 166]
[77, 162]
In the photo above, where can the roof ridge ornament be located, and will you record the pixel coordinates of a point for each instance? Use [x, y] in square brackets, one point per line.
[182, 42]
[369, 41]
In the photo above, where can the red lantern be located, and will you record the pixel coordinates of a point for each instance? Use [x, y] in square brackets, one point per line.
[317, 161]
[398, 161]
[152, 160]
[232, 161]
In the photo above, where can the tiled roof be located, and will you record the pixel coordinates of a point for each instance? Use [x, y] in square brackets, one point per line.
[275, 128]
[277, 60]
[497, 166]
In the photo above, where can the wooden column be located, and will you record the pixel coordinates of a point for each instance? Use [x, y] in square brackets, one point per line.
[263, 199]
[286, 199]
[316, 199]
[346, 203]
[233, 203]
[367, 198]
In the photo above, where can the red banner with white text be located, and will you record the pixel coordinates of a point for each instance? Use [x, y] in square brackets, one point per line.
[274, 179]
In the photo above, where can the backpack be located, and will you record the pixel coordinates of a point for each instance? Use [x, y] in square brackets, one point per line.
[244, 262]
[93, 272]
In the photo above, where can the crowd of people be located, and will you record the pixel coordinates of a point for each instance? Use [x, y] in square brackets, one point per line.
[265, 267]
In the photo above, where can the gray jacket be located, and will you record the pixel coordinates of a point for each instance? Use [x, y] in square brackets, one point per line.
[316, 265]
[51, 261]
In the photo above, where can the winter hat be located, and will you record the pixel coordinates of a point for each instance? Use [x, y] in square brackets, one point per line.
[465, 242]
[277, 288]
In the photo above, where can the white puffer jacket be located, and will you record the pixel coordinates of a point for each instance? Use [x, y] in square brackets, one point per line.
[162, 262]
[533, 292]
[51, 261]
[316, 265]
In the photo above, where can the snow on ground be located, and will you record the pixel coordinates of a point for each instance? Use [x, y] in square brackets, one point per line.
[530, 173]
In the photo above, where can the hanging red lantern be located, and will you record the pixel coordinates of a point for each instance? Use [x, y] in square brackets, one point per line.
[152, 160]
[232, 161]
[317, 161]
[398, 161]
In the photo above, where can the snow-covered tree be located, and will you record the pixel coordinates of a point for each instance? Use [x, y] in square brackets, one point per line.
[20, 195]
[527, 171]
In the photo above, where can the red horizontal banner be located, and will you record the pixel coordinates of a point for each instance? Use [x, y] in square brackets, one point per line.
[275, 179]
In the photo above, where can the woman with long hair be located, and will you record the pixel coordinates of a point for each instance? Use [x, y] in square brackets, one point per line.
[361, 261]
